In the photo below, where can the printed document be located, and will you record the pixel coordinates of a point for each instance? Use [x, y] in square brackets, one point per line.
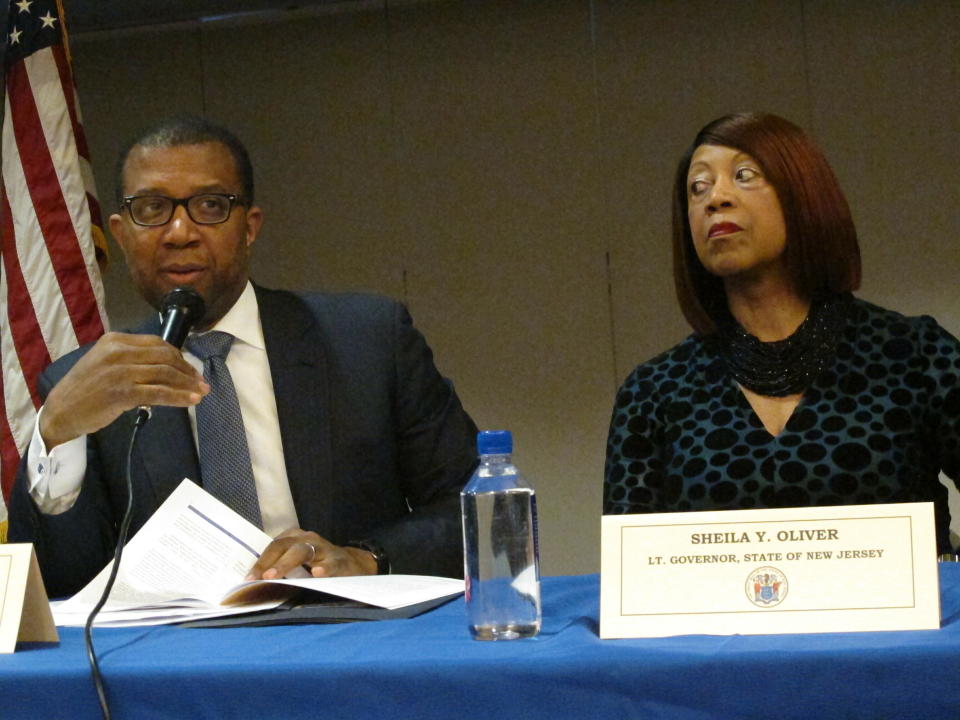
[189, 562]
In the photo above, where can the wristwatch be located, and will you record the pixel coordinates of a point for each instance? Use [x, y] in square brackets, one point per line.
[379, 554]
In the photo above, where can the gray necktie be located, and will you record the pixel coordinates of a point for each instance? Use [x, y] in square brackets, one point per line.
[224, 456]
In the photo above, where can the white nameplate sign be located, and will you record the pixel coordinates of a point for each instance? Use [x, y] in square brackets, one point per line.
[814, 569]
[24, 609]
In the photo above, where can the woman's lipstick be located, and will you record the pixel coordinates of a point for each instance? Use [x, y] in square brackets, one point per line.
[724, 228]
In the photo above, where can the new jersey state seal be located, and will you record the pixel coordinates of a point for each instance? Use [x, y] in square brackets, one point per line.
[766, 587]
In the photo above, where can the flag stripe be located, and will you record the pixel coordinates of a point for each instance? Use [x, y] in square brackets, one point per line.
[69, 99]
[9, 456]
[59, 134]
[79, 134]
[83, 150]
[78, 137]
[86, 169]
[16, 407]
[56, 330]
[22, 324]
[54, 217]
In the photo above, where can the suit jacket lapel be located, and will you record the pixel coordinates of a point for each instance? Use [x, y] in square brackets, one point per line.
[167, 451]
[298, 367]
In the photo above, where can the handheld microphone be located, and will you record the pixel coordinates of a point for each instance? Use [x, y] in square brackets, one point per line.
[181, 309]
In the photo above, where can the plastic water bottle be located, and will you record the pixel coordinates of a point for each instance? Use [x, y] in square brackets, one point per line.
[500, 552]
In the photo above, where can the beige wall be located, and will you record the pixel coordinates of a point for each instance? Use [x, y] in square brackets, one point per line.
[504, 168]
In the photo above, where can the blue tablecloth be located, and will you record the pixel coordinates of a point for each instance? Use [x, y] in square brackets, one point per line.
[428, 667]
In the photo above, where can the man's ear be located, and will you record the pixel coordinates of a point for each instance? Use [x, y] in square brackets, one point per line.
[117, 230]
[254, 223]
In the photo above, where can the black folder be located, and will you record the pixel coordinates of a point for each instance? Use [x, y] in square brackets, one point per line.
[329, 610]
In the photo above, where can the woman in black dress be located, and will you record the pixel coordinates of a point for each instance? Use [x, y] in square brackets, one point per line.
[790, 391]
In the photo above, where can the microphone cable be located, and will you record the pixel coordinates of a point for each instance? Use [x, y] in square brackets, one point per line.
[142, 416]
[180, 309]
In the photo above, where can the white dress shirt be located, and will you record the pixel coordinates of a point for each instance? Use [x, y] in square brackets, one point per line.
[55, 477]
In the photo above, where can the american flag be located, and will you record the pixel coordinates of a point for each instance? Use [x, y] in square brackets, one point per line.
[51, 296]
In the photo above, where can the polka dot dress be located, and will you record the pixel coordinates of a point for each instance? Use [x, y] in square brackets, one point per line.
[876, 426]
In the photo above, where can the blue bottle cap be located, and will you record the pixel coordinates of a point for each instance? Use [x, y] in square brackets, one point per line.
[494, 442]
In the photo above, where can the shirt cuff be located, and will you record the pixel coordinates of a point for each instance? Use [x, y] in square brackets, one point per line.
[54, 477]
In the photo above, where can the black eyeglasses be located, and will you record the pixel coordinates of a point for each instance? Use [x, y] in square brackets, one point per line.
[204, 209]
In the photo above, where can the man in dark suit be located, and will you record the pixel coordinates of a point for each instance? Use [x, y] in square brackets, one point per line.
[358, 446]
